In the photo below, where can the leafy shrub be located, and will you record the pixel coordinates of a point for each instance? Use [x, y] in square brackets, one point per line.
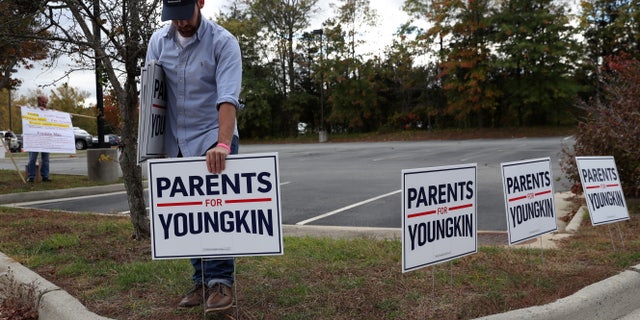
[612, 125]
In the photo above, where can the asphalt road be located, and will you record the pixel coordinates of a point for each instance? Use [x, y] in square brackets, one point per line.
[358, 184]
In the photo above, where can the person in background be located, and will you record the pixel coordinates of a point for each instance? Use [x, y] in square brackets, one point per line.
[7, 137]
[203, 73]
[43, 101]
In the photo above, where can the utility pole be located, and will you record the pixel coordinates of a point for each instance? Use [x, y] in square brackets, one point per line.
[322, 134]
[10, 115]
[9, 86]
[98, 67]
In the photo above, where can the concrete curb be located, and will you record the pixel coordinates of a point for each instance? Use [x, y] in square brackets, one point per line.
[613, 298]
[52, 302]
[576, 221]
[59, 193]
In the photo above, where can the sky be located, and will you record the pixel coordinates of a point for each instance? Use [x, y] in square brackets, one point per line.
[390, 17]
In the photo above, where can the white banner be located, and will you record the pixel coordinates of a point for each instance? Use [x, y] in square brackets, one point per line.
[529, 199]
[46, 130]
[602, 189]
[439, 220]
[196, 214]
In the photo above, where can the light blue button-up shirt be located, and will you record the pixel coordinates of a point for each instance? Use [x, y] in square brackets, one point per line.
[199, 77]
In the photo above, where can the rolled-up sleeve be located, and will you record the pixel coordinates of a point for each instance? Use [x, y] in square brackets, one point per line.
[229, 72]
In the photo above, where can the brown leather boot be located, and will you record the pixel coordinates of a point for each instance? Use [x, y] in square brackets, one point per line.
[194, 297]
[220, 298]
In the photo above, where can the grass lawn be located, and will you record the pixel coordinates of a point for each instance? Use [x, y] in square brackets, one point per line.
[94, 258]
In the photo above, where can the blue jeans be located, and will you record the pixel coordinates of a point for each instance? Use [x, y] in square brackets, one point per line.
[44, 165]
[215, 270]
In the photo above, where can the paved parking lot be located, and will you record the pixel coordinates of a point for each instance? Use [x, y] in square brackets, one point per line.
[358, 184]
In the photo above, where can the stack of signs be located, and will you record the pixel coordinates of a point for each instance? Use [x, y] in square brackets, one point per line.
[438, 215]
[529, 199]
[197, 214]
[602, 189]
[153, 106]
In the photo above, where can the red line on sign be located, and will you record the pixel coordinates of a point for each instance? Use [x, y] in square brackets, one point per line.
[248, 200]
[517, 198]
[469, 205]
[180, 204]
[612, 185]
[158, 106]
[593, 187]
[542, 192]
[420, 214]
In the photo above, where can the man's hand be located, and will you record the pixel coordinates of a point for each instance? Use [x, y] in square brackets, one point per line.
[216, 158]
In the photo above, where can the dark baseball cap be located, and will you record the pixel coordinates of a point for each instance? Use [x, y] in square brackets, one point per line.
[177, 9]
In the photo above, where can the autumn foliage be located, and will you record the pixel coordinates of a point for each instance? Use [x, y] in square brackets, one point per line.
[612, 124]
[17, 51]
[111, 111]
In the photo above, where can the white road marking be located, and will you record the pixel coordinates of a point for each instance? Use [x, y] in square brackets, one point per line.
[20, 204]
[328, 214]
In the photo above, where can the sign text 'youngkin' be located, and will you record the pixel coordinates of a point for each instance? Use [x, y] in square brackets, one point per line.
[233, 213]
[602, 189]
[438, 215]
[529, 198]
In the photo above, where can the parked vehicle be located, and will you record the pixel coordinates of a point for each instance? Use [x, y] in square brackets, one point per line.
[110, 139]
[11, 140]
[83, 138]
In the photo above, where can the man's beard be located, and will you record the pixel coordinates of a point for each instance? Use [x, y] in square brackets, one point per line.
[189, 30]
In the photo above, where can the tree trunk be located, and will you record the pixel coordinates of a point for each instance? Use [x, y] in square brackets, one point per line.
[131, 172]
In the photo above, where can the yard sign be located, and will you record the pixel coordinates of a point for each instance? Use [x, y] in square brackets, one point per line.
[602, 189]
[196, 214]
[439, 221]
[529, 199]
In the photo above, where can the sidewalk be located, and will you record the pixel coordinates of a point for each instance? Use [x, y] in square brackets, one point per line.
[614, 298]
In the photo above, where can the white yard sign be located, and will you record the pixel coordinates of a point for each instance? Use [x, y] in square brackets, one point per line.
[529, 199]
[439, 221]
[153, 106]
[196, 214]
[46, 130]
[602, 189]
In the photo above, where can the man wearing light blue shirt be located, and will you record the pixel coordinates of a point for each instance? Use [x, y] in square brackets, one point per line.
[203, 72]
